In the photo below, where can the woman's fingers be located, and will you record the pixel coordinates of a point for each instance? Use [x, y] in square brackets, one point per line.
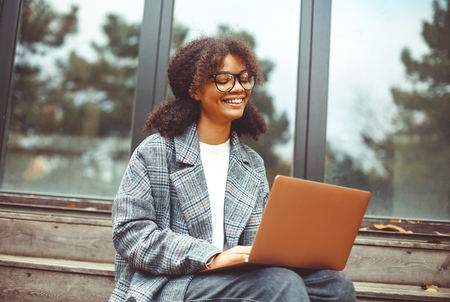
[234, 255]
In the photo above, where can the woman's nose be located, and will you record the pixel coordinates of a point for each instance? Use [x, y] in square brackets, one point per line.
[237, 88]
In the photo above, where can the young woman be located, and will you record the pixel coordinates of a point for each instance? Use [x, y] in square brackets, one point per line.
[193, 195]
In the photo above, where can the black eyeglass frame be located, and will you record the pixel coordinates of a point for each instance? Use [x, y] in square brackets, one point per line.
[235, 76]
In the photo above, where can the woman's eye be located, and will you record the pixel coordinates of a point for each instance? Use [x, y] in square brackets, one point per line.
[222, 79]
[244, 78]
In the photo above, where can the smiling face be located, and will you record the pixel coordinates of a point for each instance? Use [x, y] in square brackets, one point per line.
[221, 108]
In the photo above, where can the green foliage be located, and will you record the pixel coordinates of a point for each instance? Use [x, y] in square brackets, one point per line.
[85, 98]
[433, 72]
[42, 30]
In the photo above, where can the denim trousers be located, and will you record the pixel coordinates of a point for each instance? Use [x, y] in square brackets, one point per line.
[271, 284]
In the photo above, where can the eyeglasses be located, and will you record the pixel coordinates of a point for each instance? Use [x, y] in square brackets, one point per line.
[225, 81]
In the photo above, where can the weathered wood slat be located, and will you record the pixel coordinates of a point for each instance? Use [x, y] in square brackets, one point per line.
[399, 265]
[27, 284]
[56, 240]
[30, 279]
[57, 265]
[45, 217]
[392, 292]
[32, 199]
[410, 244]
[428, 227]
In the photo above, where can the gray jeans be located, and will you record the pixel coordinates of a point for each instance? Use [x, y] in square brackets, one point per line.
[271, 284]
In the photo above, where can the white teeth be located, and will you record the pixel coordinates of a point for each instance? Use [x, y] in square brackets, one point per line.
[236, 101]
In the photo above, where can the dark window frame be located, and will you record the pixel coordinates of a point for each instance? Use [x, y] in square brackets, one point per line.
[311, 103]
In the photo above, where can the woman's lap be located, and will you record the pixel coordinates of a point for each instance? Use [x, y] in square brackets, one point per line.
[271, 284]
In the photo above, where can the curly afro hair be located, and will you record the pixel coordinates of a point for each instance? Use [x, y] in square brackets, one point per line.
[189, 70]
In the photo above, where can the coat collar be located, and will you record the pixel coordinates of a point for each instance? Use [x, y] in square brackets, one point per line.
[241, 190]
[188, 147]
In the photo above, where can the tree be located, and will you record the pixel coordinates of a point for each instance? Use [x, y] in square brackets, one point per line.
[432, 103]
[42, 30]
[106, 85]
[416, 157]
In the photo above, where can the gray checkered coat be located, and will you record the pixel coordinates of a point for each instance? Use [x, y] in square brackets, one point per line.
[162, 218]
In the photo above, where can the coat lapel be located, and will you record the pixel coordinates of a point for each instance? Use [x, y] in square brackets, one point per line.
[241, 192]
[190, 185]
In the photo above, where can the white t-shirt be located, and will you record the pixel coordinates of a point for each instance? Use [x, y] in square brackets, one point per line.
[215, 160]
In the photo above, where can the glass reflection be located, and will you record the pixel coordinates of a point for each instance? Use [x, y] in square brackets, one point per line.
[72, 99]
[389, 105]
[276, 45]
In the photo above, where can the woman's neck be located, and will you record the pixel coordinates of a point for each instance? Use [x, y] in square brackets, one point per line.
[213, 134]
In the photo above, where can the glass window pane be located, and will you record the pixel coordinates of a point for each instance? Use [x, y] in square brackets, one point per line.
[72, 98]
[388, 125]
[273, 27]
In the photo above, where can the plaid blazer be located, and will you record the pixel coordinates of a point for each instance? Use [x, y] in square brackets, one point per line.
[161, 215]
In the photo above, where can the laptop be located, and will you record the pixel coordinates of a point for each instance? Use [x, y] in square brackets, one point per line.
[307, 224]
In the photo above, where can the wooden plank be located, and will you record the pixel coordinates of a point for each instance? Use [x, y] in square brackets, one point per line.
[417, 227]
[410, 244]
[57, 265]
[32, 199]
[23, 285]
[56, 240]
[393, 292]
[47, 217]
[52, 210]
[399, 265]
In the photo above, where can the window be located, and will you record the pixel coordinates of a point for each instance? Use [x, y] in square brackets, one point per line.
[72, 97]
[344, 96]
[388, 120]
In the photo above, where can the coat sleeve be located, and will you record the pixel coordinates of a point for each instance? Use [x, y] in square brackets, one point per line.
[137, 237]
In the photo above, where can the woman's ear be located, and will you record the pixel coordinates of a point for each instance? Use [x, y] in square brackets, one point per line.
[195, 95]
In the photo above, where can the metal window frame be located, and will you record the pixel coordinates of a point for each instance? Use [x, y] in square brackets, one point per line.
[154, 51]
[10, 11]
[312, 90]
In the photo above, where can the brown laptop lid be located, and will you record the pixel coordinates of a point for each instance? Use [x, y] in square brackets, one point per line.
[309, 224]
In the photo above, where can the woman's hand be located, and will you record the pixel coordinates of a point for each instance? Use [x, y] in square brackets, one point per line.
[236, 254]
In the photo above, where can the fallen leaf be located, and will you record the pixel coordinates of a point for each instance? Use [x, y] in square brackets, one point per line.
[433, 287]
[434, 241]
[395, 220]
[410, 221]
[442, 234]
[429, 288]
[70, 206]
[364, 229]
[391, 227]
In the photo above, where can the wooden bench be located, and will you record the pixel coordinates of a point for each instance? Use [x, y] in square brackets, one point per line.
[48, 254]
